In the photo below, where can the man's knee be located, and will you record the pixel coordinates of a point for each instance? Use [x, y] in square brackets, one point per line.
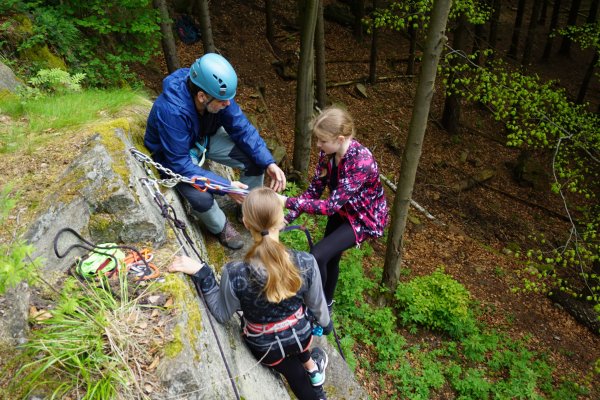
[200, 201]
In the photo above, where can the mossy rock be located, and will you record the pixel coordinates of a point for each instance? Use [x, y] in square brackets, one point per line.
[43, 56]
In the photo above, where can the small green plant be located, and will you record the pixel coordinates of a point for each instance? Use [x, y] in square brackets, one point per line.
[437, 302]
[49, 81]
[15, 263]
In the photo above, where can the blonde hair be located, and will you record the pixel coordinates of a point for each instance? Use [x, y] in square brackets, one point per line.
[331, 123]
[262, 211]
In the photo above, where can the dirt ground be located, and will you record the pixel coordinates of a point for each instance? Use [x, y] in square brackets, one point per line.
[472, 228]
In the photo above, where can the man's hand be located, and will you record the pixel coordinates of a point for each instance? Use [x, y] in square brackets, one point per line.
[186, 265]
[238, 197]
[277, 176]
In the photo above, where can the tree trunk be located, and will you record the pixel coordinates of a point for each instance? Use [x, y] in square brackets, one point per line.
[321, 77]
[478, 42]
[205, 26]
[451, 114]
[434, 46]
[494, 21]
[304, 91]
[167, 39]
[531, 31]
[269, 22]
[543, 12]
[514, 43]
[358, 8]
[592, 15]
[373, 58]
[553, 25]
[586, 79]
[565, 46]
[412, 49]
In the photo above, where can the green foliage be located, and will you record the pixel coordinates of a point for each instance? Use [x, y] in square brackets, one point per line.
[86, 348]
[538, 115]
[437, 302]
[587, 35]
[98, 38]
[479, 364]
[401, 15]
[16, 264]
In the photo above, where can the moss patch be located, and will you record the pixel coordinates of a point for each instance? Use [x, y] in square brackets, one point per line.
[184, 298]
[174, 347]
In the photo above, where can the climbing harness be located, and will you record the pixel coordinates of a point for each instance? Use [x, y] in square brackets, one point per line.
[107, 258]
[177, 225]
[198, 152]
[310, 245]
[252, 329]
[199, 182]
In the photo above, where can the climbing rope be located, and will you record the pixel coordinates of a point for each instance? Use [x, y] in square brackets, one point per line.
[199, 182]
[178, 226]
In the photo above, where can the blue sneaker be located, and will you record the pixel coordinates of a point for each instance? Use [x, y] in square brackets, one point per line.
[317, 377]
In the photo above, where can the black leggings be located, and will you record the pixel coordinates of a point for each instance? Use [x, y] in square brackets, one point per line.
[292, 368]
[339, 236]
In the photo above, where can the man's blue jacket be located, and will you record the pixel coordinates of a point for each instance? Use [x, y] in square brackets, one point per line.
[174, 126]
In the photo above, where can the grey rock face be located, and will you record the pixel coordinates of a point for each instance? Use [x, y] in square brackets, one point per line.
[8, 80]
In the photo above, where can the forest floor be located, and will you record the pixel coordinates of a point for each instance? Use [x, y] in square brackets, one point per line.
[473, 228]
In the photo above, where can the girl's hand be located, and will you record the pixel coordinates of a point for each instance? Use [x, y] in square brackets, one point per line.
[282, 199]
[186, 265]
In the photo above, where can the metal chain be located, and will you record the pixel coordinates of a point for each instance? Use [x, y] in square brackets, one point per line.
[167, 182]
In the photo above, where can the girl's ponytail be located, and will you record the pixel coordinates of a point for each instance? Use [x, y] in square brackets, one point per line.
[262, 212]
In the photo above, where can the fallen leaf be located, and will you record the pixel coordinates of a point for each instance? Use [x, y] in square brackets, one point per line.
[154, 363]
[168, 303]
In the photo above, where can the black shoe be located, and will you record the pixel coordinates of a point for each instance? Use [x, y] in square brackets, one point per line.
[317, 377]
[230, 238]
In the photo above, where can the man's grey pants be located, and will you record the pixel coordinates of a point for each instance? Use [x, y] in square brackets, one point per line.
[223, 150]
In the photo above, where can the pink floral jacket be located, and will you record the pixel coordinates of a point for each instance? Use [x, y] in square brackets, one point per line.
[359, 196]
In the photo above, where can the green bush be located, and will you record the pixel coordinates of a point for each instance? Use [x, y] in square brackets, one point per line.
[15, 262]
[100, 38]
[437, 302]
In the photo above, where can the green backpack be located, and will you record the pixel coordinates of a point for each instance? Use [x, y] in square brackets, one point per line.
[100, 261]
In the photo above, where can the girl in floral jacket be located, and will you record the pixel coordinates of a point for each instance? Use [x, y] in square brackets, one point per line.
[356, 206]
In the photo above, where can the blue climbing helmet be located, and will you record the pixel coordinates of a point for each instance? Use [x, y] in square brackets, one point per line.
[213, 74]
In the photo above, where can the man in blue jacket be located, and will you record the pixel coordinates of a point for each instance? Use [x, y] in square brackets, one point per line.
[196, 118]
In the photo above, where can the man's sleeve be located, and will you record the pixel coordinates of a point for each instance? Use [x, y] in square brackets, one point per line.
[174, 136]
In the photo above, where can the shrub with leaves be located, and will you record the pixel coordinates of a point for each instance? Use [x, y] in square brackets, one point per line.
[100, 38]
[15, 263]
[436, 301]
